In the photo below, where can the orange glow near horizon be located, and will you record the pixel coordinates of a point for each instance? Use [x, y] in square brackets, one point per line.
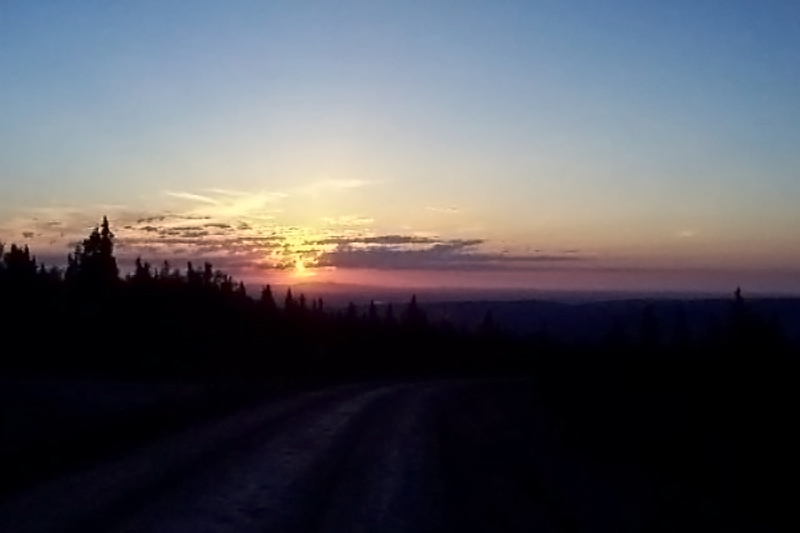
[718, 281]
[300, 270]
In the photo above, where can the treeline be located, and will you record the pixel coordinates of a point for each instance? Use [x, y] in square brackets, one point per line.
[198, 321]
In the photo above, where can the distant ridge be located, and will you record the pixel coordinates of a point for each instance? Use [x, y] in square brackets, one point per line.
[590, 321]
[343, 293]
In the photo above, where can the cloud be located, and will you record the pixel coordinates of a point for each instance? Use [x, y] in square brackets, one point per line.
[227, 192]
[333, 185]
[231, 226]
[220, 205]
[248, 243]
[380, 239]
[687, 234]
[452, 210]
[237, 229]
[193, 197]
[194, 234]
[151, 219]
[455, 254]
[414, 252]
[348, 220]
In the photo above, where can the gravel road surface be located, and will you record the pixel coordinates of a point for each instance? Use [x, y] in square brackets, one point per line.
[436, 456]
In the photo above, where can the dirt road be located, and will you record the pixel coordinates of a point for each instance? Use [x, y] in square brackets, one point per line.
[438, 456]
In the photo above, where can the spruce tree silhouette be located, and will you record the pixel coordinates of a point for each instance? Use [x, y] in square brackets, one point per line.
[746, 331]
[352, 313]
[372, 315]
[739, 315]
[109, 268]
[288, 302]
[225, 283]
[193, 277]
[267, 300]
[241, 290]
[163, 274]
[19, 265]
[208, 274]
[94, 260]
[73, 266]
[415, 316]
[142, 273]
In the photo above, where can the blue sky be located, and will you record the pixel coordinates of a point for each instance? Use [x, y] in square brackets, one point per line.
[585, 136]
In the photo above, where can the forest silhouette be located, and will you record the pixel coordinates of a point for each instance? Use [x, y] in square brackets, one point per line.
[708, 409]
[200, 321]
[167, 322]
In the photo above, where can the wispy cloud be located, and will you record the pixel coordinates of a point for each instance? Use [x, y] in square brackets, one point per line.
[386, 240]
[348, 220]
[333, 185]
[227, 192]
[192, 197]
[383, 253]
[226, 204]
[451, 210]
[171, 217]
[242, 230]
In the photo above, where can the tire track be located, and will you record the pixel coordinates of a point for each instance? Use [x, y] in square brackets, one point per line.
[271, 484]
[392, 482]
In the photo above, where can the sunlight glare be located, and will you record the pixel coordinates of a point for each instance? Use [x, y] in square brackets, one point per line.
[300, 270]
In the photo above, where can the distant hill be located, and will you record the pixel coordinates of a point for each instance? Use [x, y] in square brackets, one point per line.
[589, 322]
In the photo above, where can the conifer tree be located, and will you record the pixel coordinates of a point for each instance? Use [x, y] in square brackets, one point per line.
[95, 263]
[373, 313]
[73, 265]
[414, 316]
[288, 302]
[267, 300]
[192, 276]
[208, 274]
[352, 313]
[142, 272]
[108, 261]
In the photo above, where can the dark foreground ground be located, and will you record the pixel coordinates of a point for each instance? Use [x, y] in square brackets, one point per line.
[444, 455]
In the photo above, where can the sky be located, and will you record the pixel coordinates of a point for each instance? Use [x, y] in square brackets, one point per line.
[570, 145]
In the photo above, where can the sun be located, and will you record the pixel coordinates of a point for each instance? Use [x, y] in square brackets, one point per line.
[300, 270]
